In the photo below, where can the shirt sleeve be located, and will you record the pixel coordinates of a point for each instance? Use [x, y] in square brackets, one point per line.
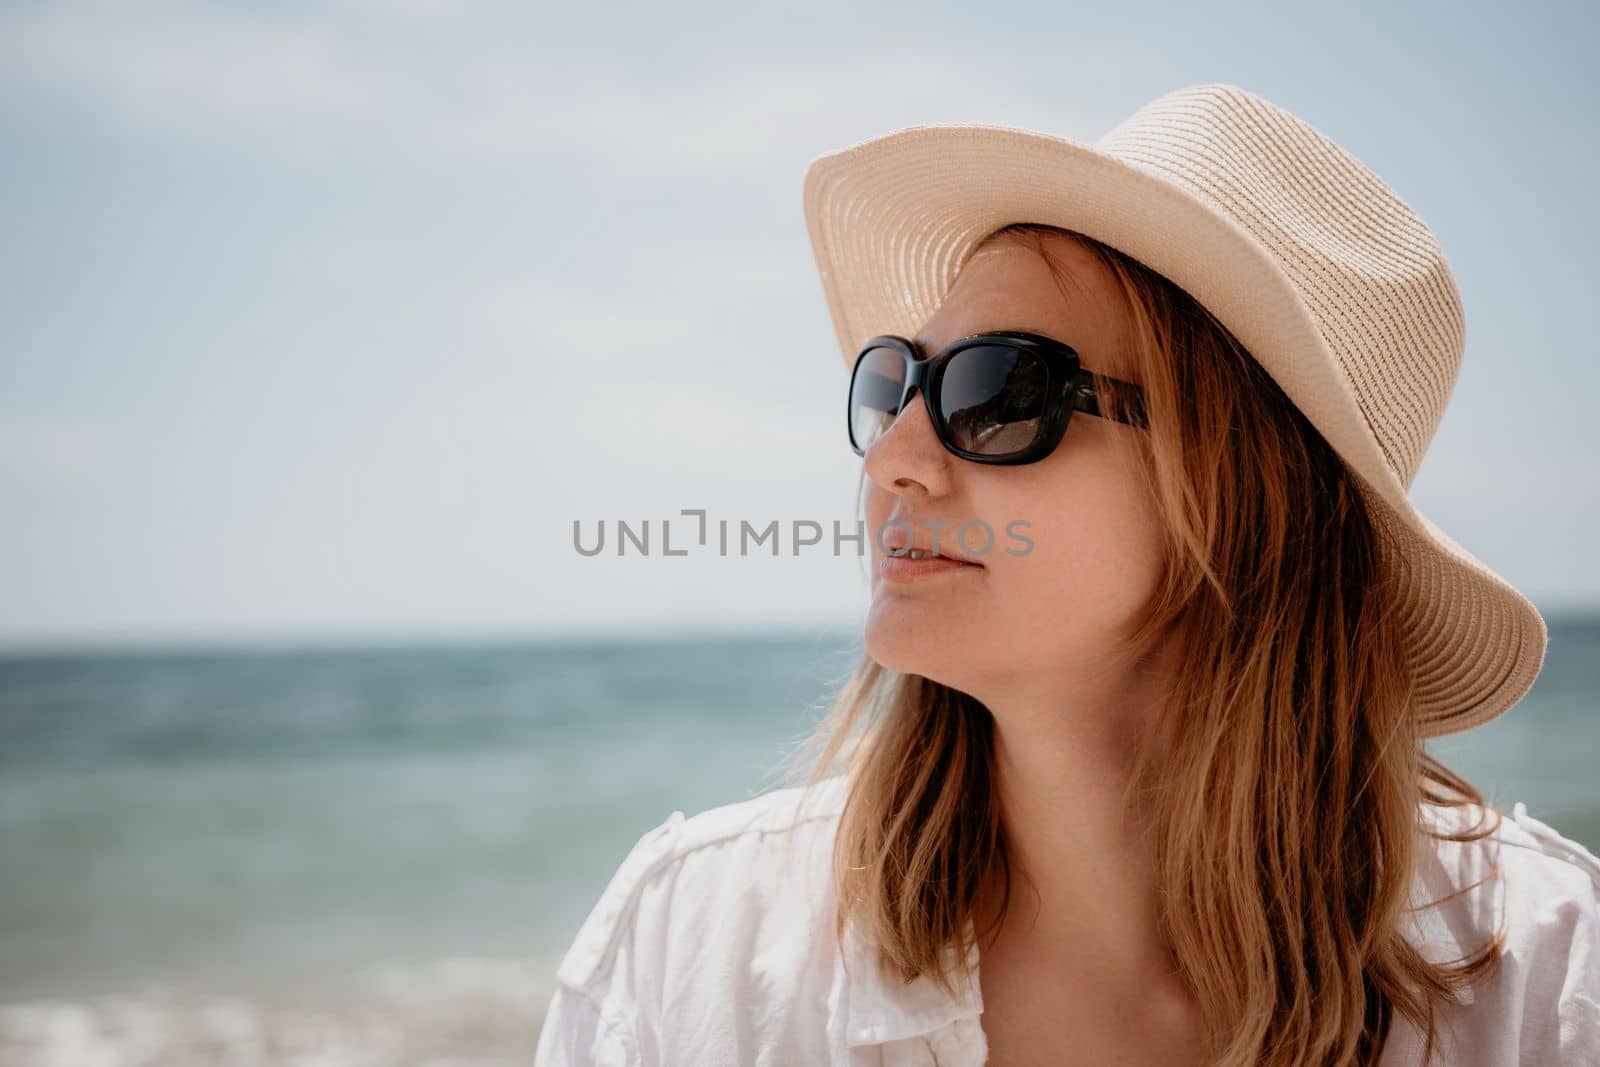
[592, 1020]
[577, 1033]
[1580, 1023]
[1579, 1011]
[1575, 913]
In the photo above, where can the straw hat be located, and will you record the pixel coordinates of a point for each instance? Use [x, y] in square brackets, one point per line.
[1329, 279]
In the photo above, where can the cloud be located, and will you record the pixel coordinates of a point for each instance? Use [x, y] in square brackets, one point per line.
[732, 110]
[204, 70]
[414, 9]
[674, 428]
[233, 75]
[564, 318]
[41, 448]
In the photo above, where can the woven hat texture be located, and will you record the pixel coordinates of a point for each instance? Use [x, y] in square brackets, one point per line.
[1322, 271]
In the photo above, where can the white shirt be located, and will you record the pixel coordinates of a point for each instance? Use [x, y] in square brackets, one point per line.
[712, 946]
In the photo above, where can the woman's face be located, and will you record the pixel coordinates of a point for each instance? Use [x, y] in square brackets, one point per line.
[1096, 553]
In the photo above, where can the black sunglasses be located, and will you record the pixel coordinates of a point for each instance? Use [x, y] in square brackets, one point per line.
[1002, 397]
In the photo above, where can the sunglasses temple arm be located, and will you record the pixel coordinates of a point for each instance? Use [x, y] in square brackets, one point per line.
[1085, 398]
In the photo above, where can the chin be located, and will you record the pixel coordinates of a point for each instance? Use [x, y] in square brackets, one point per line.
[907, 637]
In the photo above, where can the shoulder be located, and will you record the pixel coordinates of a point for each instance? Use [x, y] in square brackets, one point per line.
[1540, 891]
[1566, 866]
[688, 870]
[1542, 871]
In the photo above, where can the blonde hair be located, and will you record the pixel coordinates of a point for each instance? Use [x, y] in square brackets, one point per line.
[1285, 812]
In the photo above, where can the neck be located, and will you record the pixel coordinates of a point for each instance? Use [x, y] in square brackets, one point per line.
[1083, 872]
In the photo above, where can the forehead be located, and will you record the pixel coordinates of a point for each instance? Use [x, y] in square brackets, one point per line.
[1008, 285]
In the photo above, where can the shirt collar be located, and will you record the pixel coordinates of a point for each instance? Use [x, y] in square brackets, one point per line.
[881, 1008]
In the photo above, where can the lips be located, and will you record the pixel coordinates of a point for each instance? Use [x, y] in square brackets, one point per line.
[896, 540]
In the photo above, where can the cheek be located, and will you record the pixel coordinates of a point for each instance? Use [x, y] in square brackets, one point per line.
[1096, 561]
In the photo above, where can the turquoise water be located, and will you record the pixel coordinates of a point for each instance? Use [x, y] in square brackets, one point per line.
[375, 856]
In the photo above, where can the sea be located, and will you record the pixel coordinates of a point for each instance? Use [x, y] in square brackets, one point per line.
[341, 857]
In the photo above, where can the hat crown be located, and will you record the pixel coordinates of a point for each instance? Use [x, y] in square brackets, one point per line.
[1342, 236]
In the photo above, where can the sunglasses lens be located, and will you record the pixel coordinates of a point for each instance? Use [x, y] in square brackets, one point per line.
[875, 394]
[993, 398]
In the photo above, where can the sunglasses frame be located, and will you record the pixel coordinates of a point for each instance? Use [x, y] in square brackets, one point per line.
[1067, 379]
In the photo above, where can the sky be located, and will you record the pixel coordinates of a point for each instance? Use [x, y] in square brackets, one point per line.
[327, 322]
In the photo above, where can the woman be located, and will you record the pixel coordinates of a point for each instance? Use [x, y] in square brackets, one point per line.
[1132, 772]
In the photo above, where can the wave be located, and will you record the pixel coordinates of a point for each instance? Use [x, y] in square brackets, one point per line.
[452, 1012]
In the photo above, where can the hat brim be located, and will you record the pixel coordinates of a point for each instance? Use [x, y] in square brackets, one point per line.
[892, 219]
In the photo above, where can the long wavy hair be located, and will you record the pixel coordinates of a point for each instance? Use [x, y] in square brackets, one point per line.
[1285, 806]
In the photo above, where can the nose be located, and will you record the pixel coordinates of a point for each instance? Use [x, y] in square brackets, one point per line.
[907, 458]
